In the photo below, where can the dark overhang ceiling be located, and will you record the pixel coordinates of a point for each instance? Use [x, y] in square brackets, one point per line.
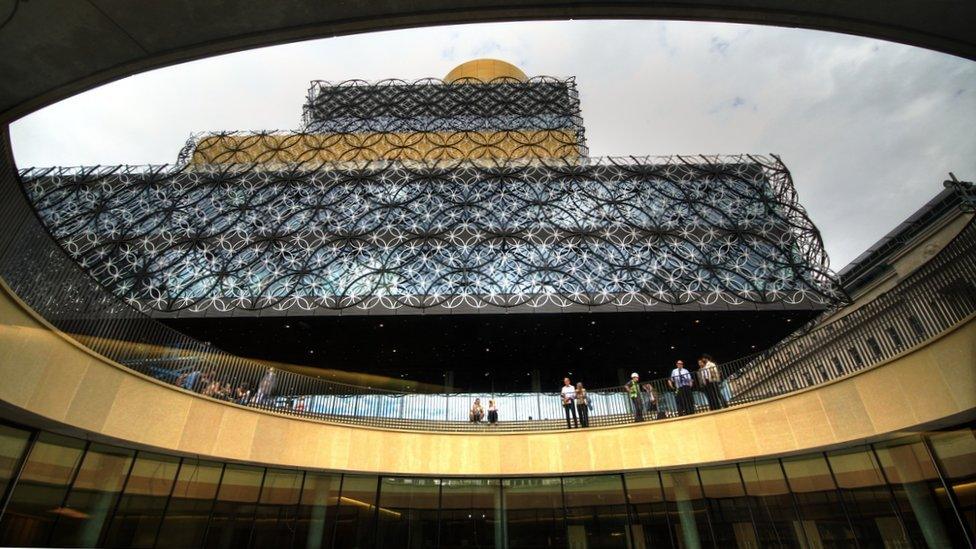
[54, 49]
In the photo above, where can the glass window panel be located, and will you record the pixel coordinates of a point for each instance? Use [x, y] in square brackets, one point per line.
[188, 511]
[471, 513]
[233, 512]
[13, 443]
[93, 495]
[140, 509]
[818, 502]
[867, 498]
[728, 507]
[39, 494]
[773, 511]
[355, 516]
[407, 512]
[648, 510]
[316, 510]
[956, 452]
[686, 506]
[274, 522]
[925, 507]
[534, 512]
[596, 511]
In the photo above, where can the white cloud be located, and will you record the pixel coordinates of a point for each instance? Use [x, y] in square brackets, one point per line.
[868, 128]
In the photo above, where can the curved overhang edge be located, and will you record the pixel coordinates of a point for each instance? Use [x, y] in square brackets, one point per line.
[941, 27]
[55, 383]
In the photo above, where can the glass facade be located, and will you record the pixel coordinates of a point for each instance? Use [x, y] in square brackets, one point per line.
[908, 492]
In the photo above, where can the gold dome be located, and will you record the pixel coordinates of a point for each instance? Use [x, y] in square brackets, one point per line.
[485, 70]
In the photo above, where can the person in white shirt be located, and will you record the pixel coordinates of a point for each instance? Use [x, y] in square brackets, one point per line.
[709, 377]
[568, 393]
[681, 382]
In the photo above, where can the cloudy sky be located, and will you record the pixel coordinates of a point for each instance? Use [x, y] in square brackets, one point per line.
[869, 129]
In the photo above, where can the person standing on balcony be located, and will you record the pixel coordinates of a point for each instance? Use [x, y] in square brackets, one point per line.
[709, 378]
[634, 391]
[492, 412]
[583, 405]
[650, 395]
[568, 394]
[681, 382]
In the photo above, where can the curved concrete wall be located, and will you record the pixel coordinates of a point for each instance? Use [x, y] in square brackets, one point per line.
[51, 381]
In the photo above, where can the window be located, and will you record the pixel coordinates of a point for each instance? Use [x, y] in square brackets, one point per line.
[596, 513]
[407, 514]
[38, 498]
[356, 512]
[140, 510]
[274, 521]
[471, 513]
[867, 499]
[186, 517]
[93, 495]
[686, 507]
[823, 520]
[233, 512]
[648, 510]
[728, 506]
[534, 512]
[316, 510]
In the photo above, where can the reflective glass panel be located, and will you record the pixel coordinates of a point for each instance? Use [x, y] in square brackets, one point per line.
[316, 510]
[923, 504]
[728, 507]
[773, 512]
[355, 517]
[648, 510]
[471, 513]
[686, 507]
[534, 512]
[140, 510]
[956, 452]
[13, 443]
[867, 498]
[38, 498]
[274, 522]
[596, 513]
[407, 512]
[233, 513]
[93, 495]
[188, 511]
[824, 521]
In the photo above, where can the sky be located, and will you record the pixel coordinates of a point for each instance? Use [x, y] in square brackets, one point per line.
[869, 129]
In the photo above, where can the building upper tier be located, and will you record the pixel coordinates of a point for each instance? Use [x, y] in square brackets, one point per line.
[484, 109]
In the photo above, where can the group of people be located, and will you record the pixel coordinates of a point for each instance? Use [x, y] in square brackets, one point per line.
[643, 396]
[683, 382]
[478, 412]
[207, 384]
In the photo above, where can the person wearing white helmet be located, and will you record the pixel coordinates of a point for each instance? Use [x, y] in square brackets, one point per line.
[634, 391]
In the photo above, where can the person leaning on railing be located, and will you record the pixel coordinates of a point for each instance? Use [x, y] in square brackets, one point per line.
[709, 378]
